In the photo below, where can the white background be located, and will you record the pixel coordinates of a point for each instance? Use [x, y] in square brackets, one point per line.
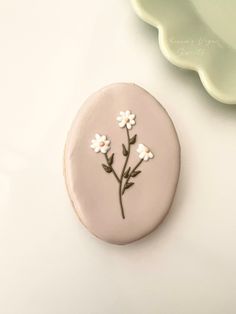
[53, 54]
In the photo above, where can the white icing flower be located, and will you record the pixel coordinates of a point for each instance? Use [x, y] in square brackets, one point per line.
[126, 118]
[100, 144]
[144, 152]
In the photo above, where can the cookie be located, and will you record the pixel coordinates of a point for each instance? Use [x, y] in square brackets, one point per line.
[122, 163]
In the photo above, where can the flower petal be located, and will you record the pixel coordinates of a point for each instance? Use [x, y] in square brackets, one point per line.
[150, 155]
[119, 118]
[105, 149]
[97, 149]
[129, 126]
[146, 157]
[122, 124]
[139, 149]
[132, 122]
[97, 136]
[132, 116]
[142, 155]
[127, 113]
[141, 146]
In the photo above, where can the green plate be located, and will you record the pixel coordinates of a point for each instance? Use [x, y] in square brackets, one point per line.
[198, 35]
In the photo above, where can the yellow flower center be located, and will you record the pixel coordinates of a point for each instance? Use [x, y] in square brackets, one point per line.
[126, 120]
[146, 150]
[101, 144]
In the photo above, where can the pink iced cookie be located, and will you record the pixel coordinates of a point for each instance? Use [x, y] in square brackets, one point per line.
[122, 163]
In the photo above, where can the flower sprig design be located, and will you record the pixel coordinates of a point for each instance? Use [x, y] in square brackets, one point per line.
[101, 143]
[126, 119]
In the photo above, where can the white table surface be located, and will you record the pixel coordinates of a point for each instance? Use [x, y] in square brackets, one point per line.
[53, 54]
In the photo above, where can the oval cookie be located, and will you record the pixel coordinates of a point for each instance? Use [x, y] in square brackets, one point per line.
[122, 163]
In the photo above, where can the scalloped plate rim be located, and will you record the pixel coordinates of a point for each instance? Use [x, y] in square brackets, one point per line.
[172, 57]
